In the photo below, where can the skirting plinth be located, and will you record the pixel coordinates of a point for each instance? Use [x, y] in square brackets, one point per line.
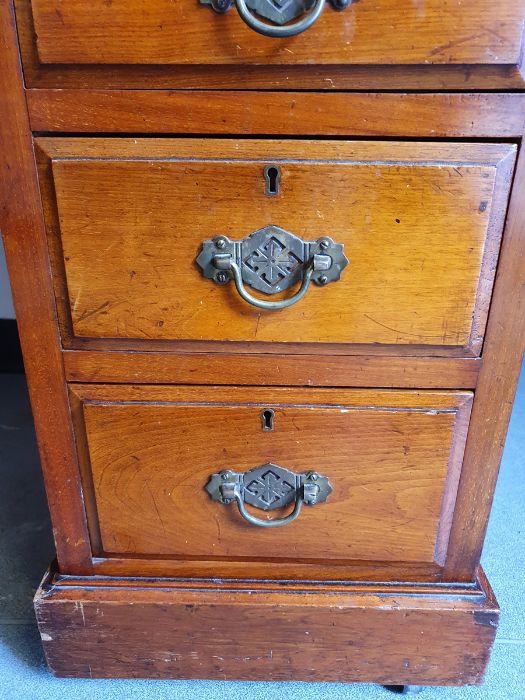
[392, 634]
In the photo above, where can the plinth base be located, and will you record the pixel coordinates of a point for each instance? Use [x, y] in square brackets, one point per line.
[391, 634]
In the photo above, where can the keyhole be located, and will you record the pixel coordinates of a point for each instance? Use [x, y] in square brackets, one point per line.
[272, 175]
[267, 417]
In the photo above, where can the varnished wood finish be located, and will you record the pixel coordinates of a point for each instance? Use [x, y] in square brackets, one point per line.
[131, 222]
[472, 590]
[262, 570]
[438, 115]
[27, 258]
[251, 610]
[503, 356]
[329, 78]
[274, 77]
[387, 635]
[375, 32]
[269, 369]
[393, 459]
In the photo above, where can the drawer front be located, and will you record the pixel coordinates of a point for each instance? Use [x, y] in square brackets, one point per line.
[391, 458]
[380, 32]
[420, 225]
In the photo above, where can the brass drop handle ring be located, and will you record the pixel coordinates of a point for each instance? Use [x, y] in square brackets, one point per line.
[277, 522]
[272, 260]
[249, 18]
[229, 264]
[278, 12]
[268, 487]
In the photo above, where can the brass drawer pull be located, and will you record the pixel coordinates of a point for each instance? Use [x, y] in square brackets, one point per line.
[280, 12]
[271, 260]
[268, 487]
[249, 18]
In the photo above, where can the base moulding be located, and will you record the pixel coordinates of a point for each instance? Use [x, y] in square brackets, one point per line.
[391, 634]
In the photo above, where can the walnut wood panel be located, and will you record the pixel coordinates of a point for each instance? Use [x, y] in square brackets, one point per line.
[398, 635]
[503, 358]
[27, 258]
[131, 223]
[375, 32]
[393, 459]
[271, 369]
[300, 113]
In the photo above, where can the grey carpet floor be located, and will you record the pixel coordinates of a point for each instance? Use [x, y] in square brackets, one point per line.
[26, 548]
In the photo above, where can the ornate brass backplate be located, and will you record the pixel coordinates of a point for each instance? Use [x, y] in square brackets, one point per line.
[271, 259]
[278, 11]
[268, 487]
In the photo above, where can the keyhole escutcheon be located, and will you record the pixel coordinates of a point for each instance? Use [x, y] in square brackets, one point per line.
[267, 418]
[272, 176]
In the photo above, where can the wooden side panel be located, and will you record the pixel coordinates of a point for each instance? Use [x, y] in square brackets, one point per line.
[28, 263]
[374, 32]
[393, 459]
[503, 358]
[131, 225]
[388, 636]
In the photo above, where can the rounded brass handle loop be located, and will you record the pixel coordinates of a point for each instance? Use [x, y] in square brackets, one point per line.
[275, 31]
[271, 305]
[268, 487]
[277, 522]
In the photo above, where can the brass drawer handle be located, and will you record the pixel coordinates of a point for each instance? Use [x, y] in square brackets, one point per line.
[268, 487]
[277, 11]
[272, 260]
[276, 31]
[260, 303]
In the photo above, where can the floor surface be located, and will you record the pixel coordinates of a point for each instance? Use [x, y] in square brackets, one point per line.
[26, 548]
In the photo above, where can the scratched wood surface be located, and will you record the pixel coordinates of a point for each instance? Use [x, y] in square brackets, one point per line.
[393, 459]
[503, 353]
[420, 224]
[370, 32]
[24, 238]
[268, 369]
[245, 112]
[125, 465]
[262, 76]
[391, 635]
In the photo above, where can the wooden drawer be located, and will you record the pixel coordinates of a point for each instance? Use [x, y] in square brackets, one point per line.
[393, 459]
[381, 32]
[420, 224]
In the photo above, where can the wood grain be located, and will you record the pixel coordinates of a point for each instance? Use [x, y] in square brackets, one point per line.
[261, 570]
[270, 369]
[262, 77]
[390, 457]
[439, 115]
[415, 278]
[375, 32]
[503, 358]
[396, 635]
[231, 150]
[466, 591]
[28, 263]
[411, 503]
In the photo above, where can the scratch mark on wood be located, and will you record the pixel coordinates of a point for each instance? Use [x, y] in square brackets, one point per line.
[88, 314]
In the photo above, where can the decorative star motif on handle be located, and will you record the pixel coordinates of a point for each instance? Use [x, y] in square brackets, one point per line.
[269, 487]
[272, 261]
